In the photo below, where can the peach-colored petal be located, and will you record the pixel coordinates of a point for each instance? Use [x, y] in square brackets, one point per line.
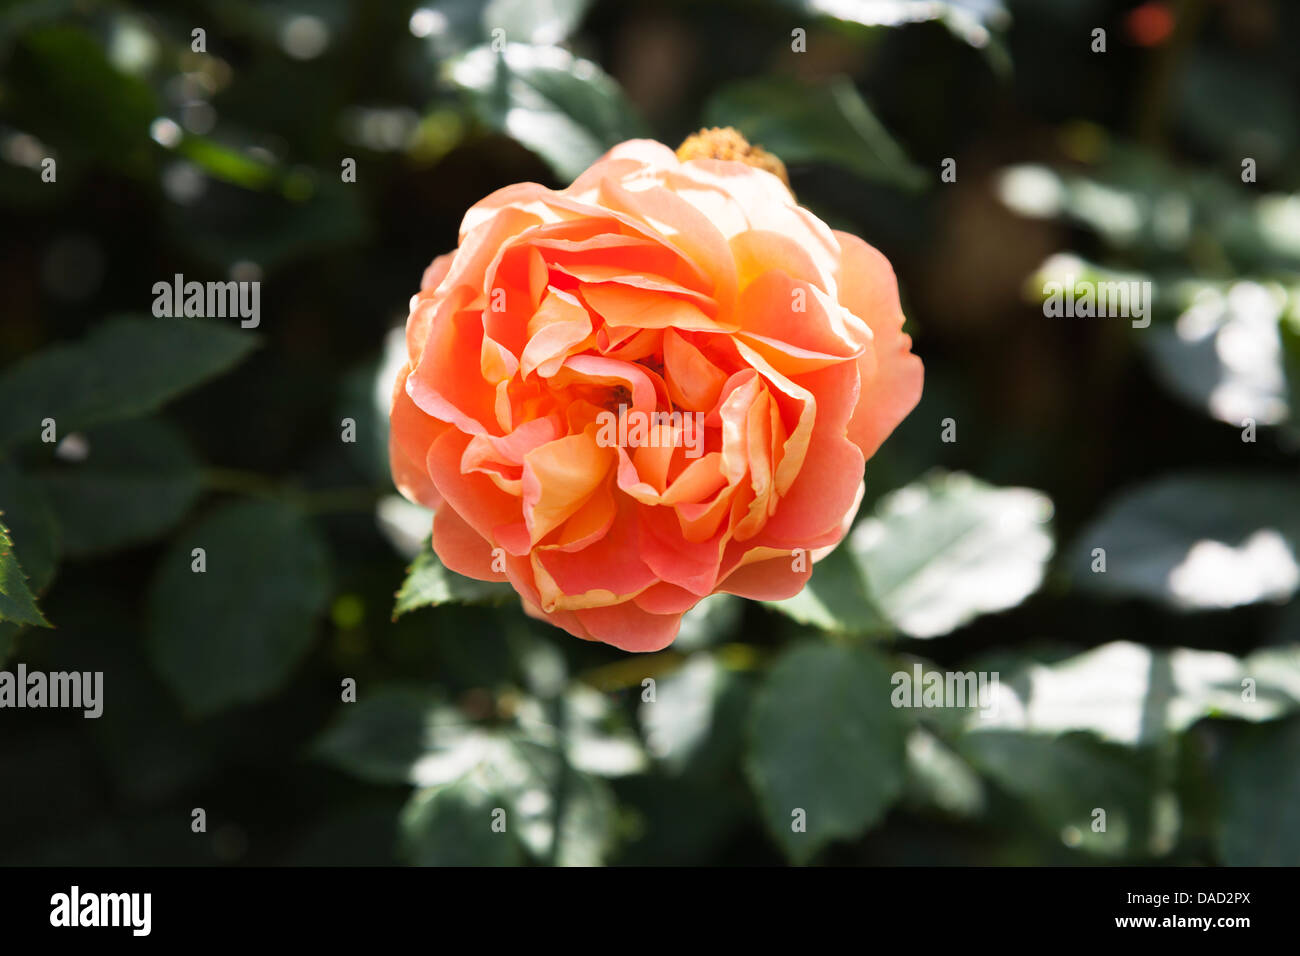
[558, 477]
[461, 548]
[630, 628]
[870, 291]
[556, 361]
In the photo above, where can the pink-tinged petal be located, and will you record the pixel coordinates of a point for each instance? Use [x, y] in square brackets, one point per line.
[589, 523]
[795, 326]
[618, 274]
[520, 199]
[557, 329]
[640, 344]
[683, 227]
[461, 548]
[788, 393]
[812, 511]
[598, 370]
[694, 382]
[514, 538]
[566, 620]
[558, 477]
[692, 565]
[480, 247]
[629, 628]
[868, 289]
[699, 481]
[612, 566]
[759, 251]
[774, 579]
[409, 437]
[600, 256]
[622, 305]
[436, 272]
[439, 385]
[474, 497]
[664, 598]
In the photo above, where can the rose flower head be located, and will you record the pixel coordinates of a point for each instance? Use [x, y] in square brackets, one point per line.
[657, 384]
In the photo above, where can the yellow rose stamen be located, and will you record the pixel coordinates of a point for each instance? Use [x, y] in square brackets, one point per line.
[726, 143]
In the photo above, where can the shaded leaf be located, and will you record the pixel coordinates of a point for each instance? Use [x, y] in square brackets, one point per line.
[233, 633]
[124, 368]
[825, 740]
[802, 123]
[1260, 821]
[1062, 781]
[138, 481]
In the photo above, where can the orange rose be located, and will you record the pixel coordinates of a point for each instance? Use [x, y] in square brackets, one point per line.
[657, 384]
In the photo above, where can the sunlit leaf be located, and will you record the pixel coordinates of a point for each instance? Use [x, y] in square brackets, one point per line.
[836, 598]
[565, 109]
[1134, 695]
[453, 825]
[1195, 542]
[17, 603]
[941, 551]
[693, 723]
[541, 22]
[1224, 354]
[429, 583]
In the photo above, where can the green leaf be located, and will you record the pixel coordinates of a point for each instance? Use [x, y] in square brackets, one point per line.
[452, 825]
[64, 90]
[543, 22]
[713, 621]
[1260, 822]
[1130, 694]
[26, 508]
[937, 777]
[1061, 781]
[124, 368]
[233, 633]
[304, 218]
[693, 724]
[968, 20]
[1195, 541]
[825, 740]
[17, 604]
[138, 481]
[429, 583]
[24, 505]
[1224, 355]
[947, 548]
[802, 123]
[565, 109]
[401, 735]
[836, 598]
